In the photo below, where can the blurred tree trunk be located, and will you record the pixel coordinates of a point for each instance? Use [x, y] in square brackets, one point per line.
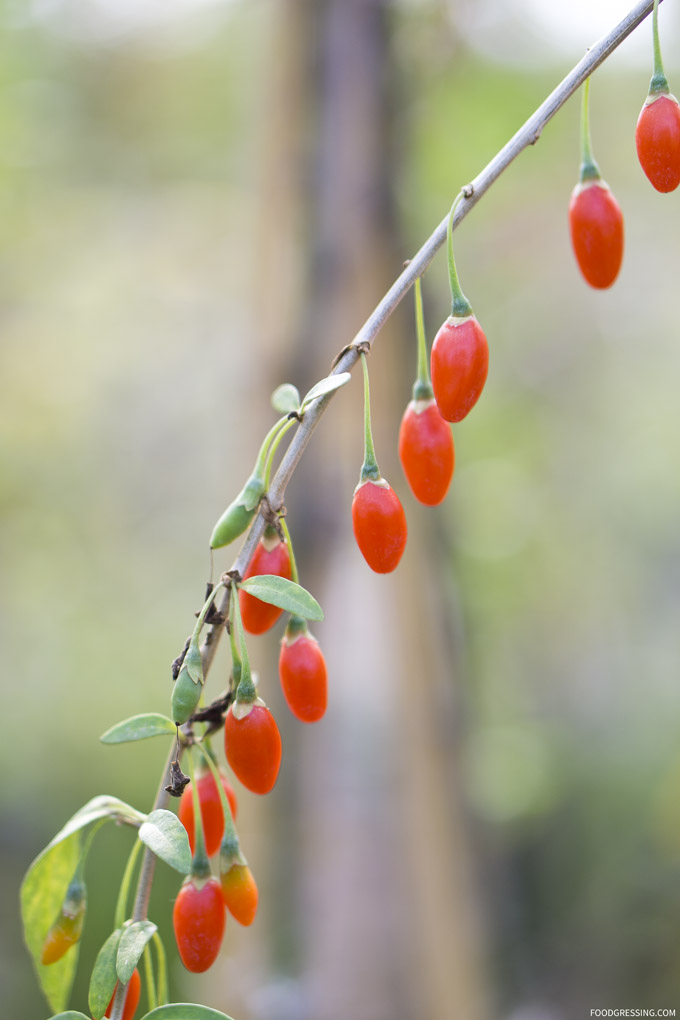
[378, 859]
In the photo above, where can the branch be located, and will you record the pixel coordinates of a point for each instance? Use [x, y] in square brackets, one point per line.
[528, 134]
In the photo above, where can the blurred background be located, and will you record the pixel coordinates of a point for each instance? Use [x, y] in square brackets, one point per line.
[202, 199]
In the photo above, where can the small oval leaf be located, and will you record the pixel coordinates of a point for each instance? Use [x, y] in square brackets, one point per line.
[165, 835]
[104, 977]
[132, 944]
[324, 386]
[288, 595]
[185, 1011]
[285, 398]
[139, 727]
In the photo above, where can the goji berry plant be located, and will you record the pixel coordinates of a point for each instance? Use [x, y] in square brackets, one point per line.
[263, 584]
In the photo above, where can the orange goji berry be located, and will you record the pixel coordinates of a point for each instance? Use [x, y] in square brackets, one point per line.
[68, 927]
[240, 893]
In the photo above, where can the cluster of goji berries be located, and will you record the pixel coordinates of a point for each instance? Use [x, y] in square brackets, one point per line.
[595, 217]
[447, 387]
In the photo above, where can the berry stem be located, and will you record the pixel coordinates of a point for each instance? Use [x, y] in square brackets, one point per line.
[460, 306]
[291, 555]
[150, 979]
[369, 469]
[162, 967]
[245, 690]
[274, 447]
[422, 388]
[658, 86]
[260, 464]
[121, 903]
[206, 608]
[229, 829]
[200, 866]
[589, 170]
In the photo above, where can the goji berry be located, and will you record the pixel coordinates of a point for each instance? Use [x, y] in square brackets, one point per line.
[270, 557]
[68, 927]
[595, 218]
[596, 225]
[459, 359]
[211, 810]
[134, 990]
[378, 517]
[657, 139]
[426, 451]
[240, 893]
[199, 918]
[302, 671]
[379, 524]
[252, 744]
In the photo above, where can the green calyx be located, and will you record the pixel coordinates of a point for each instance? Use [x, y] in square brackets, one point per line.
[370, 472]
[295, 627]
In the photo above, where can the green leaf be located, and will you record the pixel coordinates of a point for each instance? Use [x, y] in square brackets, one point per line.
[285, 398]
[42, 893]
[326, 386]
[166, 836]
[185, 1011]
[193, 662]
[288, 595]
[132, 944]
[99, 807]
[71, 1015]
[104, 977]
[139, 727]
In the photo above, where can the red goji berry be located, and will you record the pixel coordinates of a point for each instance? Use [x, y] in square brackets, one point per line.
[211, 810]
[595, 218]
[379, 524]
[302, 671]
[240, 893]
[134, 990]
[199, 918]
[596, 225]
[426, 451]
[657, 139]
[252, 744]
[270, 557]
[459, 362]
